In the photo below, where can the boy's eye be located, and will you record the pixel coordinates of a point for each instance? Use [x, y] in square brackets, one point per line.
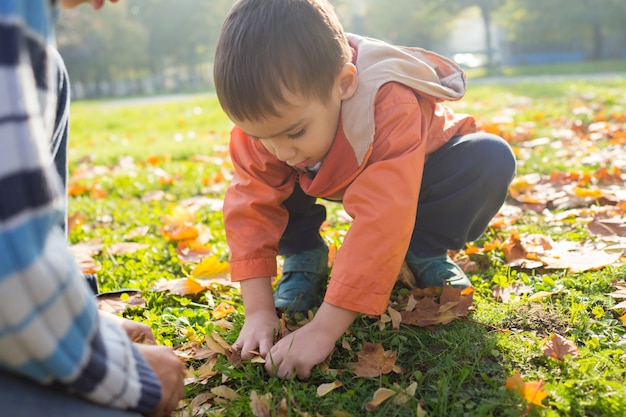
[296, 135]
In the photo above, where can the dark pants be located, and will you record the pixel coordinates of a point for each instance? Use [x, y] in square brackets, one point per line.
[465, 183]
[20, 397]
[58, 143]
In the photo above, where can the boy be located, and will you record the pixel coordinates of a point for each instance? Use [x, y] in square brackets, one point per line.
[58, 356]
[319, 113]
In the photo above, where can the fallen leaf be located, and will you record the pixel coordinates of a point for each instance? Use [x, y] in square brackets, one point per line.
[324, 389]
[558, 347]
[118, 303]
[404, 394]
[181, 286]
[209, 267]
[260, 405]
[374, 361]
[511, 293]
[453, 303]
[125, 248]
[396, 318]
[192, 350]
[530, 391]
[222, 310]
[381, 395]
[225, 392]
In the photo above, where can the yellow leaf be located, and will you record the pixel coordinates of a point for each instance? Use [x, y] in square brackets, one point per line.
[222, 310]
[209, 267]
[326, 388]
[380, 396]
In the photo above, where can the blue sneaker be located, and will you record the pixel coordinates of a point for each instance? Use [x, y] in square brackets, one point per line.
[301, 286]
[436, 272]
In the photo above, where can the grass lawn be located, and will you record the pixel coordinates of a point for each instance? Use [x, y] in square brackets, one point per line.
[146, 188]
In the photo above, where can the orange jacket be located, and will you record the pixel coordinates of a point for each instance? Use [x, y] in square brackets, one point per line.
[375, 165]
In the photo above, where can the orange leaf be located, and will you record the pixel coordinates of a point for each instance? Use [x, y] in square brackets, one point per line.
[181, 286]
[558, 347]
[530, 391]
[181, 233]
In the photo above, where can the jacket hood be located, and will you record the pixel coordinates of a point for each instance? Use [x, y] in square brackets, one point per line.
[377, 63]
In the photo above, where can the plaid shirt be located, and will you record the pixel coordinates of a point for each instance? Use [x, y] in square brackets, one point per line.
[50, 331]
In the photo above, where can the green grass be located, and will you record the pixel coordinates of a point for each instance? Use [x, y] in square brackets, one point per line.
[460, 368]
[570, 68]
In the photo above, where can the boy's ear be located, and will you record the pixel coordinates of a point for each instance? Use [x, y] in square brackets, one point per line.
[347, 81]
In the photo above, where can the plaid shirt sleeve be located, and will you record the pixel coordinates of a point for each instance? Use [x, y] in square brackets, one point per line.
[49, 327]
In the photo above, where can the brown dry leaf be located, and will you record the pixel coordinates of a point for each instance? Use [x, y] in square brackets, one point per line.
[381, 395]
[193, 350]
[260, 405]
[620, 293]
[534, 251]
[511, 293]
[607, 227]
[125, 248]
[404, 394]
[453, 303]
[203, 373]
[199, 403]
[84, 252]
[215, 346]
[225, 392]
[324, 389]
[558, 347]
[530, 391]
[421, 412]
[374, 361]
[118, 303]
[396, 318]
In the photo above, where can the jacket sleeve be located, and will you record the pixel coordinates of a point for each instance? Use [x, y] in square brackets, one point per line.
[382, 201]
[49, 326]
[254, 216]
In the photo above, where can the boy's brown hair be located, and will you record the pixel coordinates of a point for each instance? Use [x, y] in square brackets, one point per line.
[269, 46]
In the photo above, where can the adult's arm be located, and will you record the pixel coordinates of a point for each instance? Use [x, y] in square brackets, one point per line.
[49, 326]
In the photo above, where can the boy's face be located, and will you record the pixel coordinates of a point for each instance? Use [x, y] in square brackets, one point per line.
[305, 130]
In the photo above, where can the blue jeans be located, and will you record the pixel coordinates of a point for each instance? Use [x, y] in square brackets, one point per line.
[20, 397]
[465, 183]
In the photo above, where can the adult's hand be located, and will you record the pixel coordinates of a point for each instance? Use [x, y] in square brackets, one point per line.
[136, 331]
[169, 369]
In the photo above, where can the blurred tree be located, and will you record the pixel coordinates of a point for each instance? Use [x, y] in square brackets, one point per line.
[583, 24]
[182, 33]
[487, 10]
[98, 48]
[423, 23]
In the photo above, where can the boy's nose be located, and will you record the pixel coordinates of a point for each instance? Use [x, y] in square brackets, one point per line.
[284, 153]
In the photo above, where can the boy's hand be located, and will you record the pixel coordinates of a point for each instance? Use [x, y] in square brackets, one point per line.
[297, 353]
[257, 333]
[261, 320]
